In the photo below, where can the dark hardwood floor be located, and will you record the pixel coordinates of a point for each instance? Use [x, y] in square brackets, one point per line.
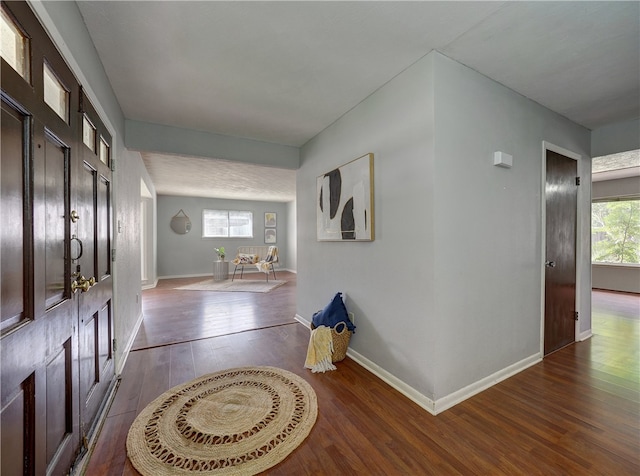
[577, 412]
[172, 316]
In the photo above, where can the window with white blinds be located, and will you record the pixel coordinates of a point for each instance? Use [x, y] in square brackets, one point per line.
[227, 224]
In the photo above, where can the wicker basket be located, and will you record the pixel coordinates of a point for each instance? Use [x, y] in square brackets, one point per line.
[340, 341]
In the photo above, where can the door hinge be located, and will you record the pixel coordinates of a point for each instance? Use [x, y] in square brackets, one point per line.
[577, 180]
[115, 345]
[576, 315]
[113, 254]
[113, 164]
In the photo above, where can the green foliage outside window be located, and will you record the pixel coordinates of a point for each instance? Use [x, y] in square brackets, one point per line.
[615, 228]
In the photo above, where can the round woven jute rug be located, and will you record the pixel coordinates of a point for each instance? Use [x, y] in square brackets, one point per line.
[239, 421]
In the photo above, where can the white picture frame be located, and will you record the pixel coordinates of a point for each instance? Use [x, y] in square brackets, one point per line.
[270, 236]
[344, 202]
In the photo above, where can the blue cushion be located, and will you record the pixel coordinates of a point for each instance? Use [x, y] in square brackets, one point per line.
[332, 314]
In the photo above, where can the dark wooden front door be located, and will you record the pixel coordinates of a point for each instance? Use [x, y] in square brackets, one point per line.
[52, 329]
[560, 266]
[93, 228]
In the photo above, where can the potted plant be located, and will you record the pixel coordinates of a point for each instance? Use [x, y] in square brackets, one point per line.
[221, 253]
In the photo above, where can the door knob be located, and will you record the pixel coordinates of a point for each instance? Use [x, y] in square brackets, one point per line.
[550, 264]
[83, 284]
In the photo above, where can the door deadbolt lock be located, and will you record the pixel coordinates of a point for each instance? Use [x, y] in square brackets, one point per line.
[550, 264]
[74, 216]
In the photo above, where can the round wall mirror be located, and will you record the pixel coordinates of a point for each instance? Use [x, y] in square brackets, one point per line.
[181, 224]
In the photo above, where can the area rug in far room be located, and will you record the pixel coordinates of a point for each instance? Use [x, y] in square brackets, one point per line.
[238, 421]
[246, 285]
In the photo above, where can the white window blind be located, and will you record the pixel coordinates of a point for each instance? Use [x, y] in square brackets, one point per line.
[227, 224]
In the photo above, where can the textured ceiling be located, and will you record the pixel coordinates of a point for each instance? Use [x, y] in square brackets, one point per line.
[281, 72]
[199, 177]
[615, 166]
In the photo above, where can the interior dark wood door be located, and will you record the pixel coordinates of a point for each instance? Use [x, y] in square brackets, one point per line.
[560, 266]
[93, 229]
[46, 404]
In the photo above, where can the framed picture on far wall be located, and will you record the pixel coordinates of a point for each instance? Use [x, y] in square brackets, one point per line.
[270, 220]
[344, 202]
[270, 235]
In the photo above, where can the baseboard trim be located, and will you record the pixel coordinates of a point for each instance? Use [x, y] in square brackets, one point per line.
[127, 349]
[205, 275]
[382, 374]
[150, 285]
[585, 335]
[248, 270]
[469, 391]
[302, 321]
[446, 402]
[405, 389]
[174, 276]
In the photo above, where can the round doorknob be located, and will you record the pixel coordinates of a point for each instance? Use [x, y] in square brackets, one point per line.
[550, 264]
[83, 284]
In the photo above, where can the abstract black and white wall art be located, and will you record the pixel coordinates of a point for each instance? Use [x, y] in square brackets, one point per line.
[344, 200]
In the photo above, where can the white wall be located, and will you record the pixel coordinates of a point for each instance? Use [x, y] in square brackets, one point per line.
[488, 248]
[622, 187]
[192, 255]
[388, 282]
[615, 138]
[127, 284]
[616, 277]
[159, 138]
[291, 253]
[448, 296]
[151, 230]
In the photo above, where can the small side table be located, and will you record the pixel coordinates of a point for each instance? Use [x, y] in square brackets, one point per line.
[220, 270]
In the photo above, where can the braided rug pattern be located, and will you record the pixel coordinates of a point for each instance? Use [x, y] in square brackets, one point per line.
[239, 421]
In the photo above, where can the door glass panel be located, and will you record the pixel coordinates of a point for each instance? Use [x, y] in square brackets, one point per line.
[104, 151]
[55, 94]
[88, 133]
[14, 46]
